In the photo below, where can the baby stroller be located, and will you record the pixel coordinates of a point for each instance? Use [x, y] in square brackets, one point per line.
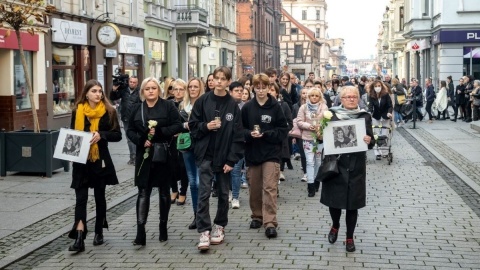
[383, 140]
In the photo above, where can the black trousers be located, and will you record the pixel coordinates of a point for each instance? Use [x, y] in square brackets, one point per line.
[428, 108]
[350, 220]
[81, 209]
[303, 159]
[455, 110]
[180, 173]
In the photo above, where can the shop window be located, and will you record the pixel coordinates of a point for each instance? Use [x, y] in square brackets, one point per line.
[157, 57]
[128, 64]
[63, 79]
[21, 89]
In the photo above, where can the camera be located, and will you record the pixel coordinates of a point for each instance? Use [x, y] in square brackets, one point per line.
[120, 80]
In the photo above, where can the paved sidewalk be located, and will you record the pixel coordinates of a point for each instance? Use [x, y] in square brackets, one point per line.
[419, 215]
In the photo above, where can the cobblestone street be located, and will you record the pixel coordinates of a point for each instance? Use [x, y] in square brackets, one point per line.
[420, 214]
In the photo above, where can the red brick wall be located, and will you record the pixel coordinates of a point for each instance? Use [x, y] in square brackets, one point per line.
[11, 120]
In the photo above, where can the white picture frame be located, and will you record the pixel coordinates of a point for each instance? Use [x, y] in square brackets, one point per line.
[351, 140]
[73, 145]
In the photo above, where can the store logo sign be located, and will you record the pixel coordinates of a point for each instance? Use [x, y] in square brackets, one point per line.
[472, 36]
[69, 32]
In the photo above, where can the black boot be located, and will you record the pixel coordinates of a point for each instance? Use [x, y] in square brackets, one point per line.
[141, 238]
[79, 245]
[164, 210]
[163, 231]
[193, 225]
[317, 185]
[311, 190]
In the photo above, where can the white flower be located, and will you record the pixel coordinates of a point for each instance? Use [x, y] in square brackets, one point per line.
[152, 123]
[327, 115]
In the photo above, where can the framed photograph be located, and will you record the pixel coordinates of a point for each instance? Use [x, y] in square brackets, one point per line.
[73, 145]
[340, 137]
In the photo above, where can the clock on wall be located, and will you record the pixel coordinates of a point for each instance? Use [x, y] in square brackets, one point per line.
[108, 34]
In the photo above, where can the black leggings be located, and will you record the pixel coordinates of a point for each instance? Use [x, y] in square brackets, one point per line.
[303, 159]
[81, 195]
[350, 218]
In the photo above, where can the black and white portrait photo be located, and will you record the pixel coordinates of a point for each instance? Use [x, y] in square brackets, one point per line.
[72, 145]
[341, 137]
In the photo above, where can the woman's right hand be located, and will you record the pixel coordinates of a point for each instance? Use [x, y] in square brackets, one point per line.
[152, 131]
[147, 144]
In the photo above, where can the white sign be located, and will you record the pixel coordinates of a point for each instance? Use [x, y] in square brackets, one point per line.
[69, 32]
[109, 53]
[101, 76]
[131, 45]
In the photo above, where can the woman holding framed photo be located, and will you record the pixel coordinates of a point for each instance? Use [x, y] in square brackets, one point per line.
[93, 113]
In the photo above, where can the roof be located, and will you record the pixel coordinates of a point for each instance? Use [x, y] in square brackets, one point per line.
[300, 26]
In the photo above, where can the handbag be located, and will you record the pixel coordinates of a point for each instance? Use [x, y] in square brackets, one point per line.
[184, 141]
[160, 152]
[295, 132]
[328, 169]
[401, 99]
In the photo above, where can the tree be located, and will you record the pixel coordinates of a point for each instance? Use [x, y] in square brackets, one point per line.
[25, 16]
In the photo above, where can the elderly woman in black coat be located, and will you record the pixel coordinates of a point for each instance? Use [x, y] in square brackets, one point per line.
[348, 189]
[93, 113]
[153, 124]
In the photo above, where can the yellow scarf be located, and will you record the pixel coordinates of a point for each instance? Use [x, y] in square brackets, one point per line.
[94, 116]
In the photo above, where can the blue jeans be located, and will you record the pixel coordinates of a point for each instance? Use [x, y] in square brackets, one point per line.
[192, 174]
[398, 117]
[236, 178]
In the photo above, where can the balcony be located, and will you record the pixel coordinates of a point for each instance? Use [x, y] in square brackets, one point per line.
[191, 19]
[159, 16]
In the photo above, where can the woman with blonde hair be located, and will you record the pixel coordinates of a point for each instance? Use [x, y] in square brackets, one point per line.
[168, 88]
[93, 113]
[309, 116]
[195, 89]
[154, 121]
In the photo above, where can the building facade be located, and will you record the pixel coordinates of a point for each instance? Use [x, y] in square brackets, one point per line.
[257, 35]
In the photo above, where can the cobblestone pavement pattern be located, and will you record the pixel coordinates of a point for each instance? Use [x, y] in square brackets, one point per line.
[419, 215]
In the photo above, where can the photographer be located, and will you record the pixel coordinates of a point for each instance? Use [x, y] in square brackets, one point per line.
[129, 95]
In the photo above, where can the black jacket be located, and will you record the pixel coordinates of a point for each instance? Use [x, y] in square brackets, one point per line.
[430, 93]
[168, 124]
[380, 110]
[348, 189]
[128, 100]
[451, 91]
[273, 125]
[93, 174]
[460, 94]
[418, 95]
[229, 138]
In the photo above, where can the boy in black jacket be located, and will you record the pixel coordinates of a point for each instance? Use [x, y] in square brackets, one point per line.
[216, 129]
[265, 128]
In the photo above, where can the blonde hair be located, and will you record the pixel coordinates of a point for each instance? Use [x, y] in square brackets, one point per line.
[144, 83]
[315, 90]
[187, 98]
[166, 85]
[349, 88]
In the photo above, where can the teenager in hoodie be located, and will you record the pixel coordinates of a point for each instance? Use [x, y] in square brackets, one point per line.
[265, 128]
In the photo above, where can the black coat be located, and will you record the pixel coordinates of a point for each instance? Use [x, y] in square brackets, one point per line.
[398, 90]
[451, 91]
[380, 110]
[348, 189]
[460, 94]
[288, 115]
[92, 174]
[128, 100]
[168, 124]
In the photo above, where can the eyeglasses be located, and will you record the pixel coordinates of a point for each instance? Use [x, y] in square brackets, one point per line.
[350, 97]
[314, 96]
[178, 90]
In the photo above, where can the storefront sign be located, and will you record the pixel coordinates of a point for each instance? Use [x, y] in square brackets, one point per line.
[29, 42]
[70, 32]
[131, 45]
[456, 36]
[418, 45]
[109, 53]
[100, 75]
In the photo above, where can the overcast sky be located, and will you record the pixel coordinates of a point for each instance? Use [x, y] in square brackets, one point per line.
[357, 22]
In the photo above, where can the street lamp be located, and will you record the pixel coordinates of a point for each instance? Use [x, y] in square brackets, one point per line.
[209, 39]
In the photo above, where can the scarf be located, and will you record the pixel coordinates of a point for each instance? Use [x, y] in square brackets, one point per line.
[94, 116]
[313, 108]
[344, 114]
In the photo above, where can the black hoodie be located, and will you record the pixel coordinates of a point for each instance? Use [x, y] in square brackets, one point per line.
[273, 125]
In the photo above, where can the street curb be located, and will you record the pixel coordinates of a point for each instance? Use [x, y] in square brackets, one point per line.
[20, 254]
[447, 163]
[475, 127]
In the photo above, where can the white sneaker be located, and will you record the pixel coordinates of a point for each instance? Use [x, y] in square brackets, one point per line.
[229, 196]
[204, 243]
[218, 234]
[296, 156]
[244, 185]
[304, 178]
[235, 204]
[282, 177]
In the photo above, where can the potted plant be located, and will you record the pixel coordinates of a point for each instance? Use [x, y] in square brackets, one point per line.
[27, 150]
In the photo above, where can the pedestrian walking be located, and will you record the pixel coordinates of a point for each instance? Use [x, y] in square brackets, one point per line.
[93, 113]
[430, 98]
[459, 100]
[154, 122]
[129, 96]
[475, 96]
[348, 189]
[380, 106]
[265, 128]
[215, 126]
[468, 80]
[441, 101]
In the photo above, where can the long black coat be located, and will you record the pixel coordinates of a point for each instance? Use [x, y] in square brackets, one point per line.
[288, 115]
[460, 94]
[168, 124]
[92, 174]
[348, 189]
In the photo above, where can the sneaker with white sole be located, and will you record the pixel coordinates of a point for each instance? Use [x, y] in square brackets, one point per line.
[304, 178]
[235, 204]
[282, 177]
[296, 156]
[204, 243]
[244, 185]
[218, 234]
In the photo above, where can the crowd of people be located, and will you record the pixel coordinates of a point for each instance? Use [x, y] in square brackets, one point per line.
[220, 135]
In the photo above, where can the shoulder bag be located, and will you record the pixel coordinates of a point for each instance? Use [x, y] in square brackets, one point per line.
[295, 132]
[184, 141]
[328, 169]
